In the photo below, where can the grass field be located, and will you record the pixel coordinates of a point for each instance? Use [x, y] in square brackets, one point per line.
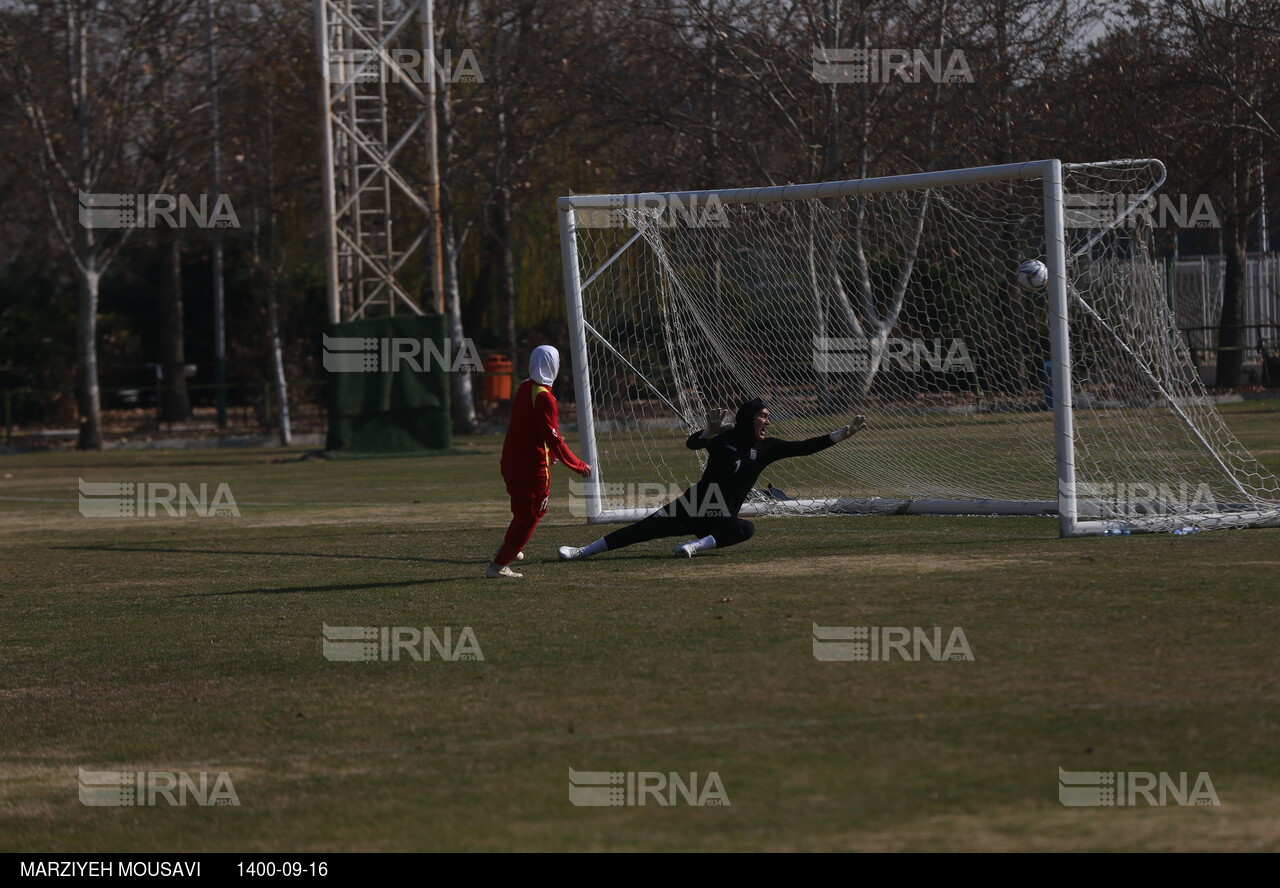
[194, 644]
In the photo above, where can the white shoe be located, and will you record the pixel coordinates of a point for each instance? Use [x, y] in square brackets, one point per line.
[571, 553]
[688, 550]
[495, 571]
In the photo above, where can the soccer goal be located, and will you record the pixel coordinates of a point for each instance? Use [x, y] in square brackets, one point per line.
[987, 392]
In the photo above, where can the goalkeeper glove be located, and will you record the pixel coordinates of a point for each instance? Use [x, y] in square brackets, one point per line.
[855, 425]
[718, 423]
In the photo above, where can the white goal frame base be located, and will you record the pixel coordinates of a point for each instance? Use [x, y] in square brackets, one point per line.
[1207, 516]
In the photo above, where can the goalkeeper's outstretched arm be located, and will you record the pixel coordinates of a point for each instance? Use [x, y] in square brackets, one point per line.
[782, 449]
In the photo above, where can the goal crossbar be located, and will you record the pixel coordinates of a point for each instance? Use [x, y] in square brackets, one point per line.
[1033, 169]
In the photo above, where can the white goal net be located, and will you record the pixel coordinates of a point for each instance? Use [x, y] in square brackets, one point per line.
[898, 298]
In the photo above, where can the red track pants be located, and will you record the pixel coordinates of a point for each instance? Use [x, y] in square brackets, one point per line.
[528, 505]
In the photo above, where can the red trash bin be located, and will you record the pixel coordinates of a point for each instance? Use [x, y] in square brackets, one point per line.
[498, 372]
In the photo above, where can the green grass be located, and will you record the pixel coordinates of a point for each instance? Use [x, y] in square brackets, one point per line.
[194, 644]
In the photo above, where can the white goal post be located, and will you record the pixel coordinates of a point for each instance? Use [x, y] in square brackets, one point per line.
[898, 297]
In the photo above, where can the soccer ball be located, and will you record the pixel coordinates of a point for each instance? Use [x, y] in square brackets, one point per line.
[1032, 275]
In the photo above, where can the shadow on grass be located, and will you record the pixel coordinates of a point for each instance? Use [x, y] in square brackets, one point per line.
[343, 587]
[812, 551]
[170, 550]
[162, 462]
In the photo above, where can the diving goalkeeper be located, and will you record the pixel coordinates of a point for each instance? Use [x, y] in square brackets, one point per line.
[708, 511]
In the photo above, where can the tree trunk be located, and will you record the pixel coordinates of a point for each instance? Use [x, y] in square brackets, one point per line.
[88, 399]
[273, 282]
[1009, 368]
[175, 405]
[483, 308]
[1230, 338]
[830, 164]
[462, 400]
[277, 358]
[506, 273]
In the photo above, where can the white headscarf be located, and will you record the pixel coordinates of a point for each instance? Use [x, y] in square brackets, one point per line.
[544, 364]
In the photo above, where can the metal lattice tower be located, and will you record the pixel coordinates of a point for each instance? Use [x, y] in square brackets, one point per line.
[377, 67]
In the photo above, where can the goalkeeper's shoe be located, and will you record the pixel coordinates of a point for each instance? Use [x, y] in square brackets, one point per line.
[497, 571]
[570, 553]
[688, 550]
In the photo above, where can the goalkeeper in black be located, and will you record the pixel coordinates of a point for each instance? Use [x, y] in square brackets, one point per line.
[708, 511]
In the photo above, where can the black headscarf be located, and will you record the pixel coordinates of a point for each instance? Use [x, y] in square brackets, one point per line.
[744, 419]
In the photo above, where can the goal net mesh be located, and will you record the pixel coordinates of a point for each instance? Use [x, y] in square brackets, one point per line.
[904, 305]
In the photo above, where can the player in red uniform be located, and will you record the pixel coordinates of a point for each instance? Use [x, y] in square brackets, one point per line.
[533, 444]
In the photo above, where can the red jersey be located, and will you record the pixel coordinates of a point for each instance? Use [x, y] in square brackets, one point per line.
[533, 441]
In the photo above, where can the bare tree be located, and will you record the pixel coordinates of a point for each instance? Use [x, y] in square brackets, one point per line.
[452, 24]
[522, 111]
[94, 132]
[1234, 46]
